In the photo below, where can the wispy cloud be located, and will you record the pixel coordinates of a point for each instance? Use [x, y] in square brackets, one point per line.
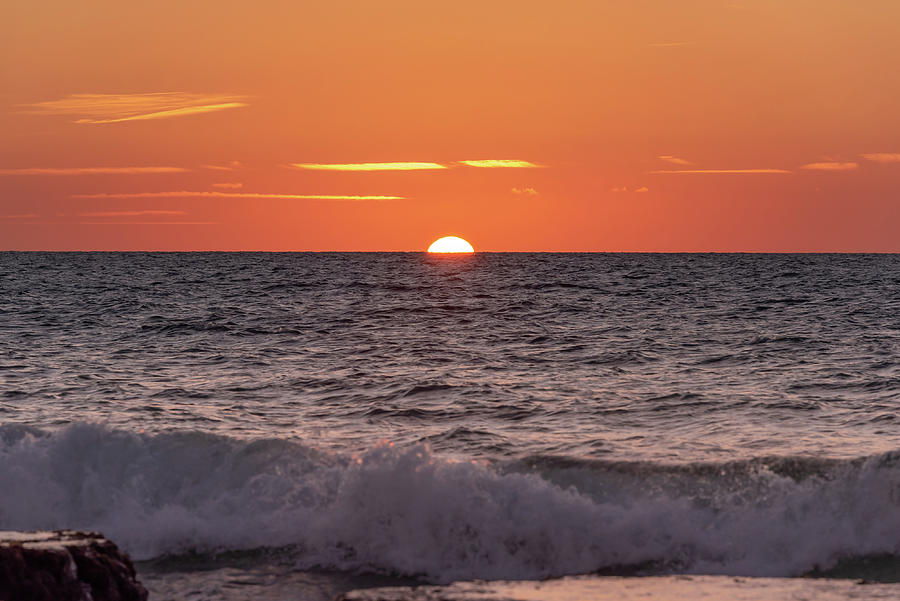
[229, 185]
[719, 171]
[148, 223]
[831, 166]
[92, 170]
[208, 194]
[642, 189]
[669, 44]
[674, 160]
[19, 216]
[397, 166]
[882, 157]
[525, 191]
[500, 164]
[230, 166]
[142, 213]
[116, 108]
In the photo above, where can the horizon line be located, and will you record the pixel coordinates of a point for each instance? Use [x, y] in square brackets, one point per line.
[477, 252]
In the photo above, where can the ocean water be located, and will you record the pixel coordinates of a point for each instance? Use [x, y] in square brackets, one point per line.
[252, 425]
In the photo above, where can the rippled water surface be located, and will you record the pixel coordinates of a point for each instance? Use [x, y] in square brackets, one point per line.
[499, 416]
[668, 357]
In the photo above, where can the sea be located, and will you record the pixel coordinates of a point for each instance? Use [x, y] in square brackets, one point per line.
[299, 425]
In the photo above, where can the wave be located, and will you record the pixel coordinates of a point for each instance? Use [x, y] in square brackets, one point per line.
[410, 512]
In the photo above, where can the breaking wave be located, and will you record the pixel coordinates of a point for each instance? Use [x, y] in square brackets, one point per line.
[408, 511]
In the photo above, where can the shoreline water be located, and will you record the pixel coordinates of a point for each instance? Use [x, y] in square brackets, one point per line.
[651, 588]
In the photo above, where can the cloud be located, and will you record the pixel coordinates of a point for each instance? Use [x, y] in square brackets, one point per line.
[230, 166]
[131, 213]
[831, 166]
[882, 157]
[674, 160]
[207, 194]
[229, 185]
[669, 44]
[500, 164]
[148, 223]
[719, 171]
[19, 216]
[92, 170]
[367, 166]
[413, 166]
[525, 191]
[622, 189]
[116, 108]
[642, 189]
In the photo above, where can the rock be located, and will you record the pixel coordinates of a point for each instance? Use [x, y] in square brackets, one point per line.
[65, 565]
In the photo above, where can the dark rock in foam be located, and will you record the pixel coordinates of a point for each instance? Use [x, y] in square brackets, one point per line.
[64, 565]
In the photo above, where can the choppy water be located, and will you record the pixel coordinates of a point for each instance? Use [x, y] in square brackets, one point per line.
[491, 416]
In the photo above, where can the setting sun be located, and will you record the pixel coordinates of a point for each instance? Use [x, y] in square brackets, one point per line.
[450, 244]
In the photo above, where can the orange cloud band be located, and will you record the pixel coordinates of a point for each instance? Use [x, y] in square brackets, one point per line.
[397, 166]
[831, 166]
[131, 213]
[182, 112]
[719, 171]
[206, 194]
[92, 170]
[148, 223]
[116, 108]
[882, 157]
[500, 164]
[19, 216]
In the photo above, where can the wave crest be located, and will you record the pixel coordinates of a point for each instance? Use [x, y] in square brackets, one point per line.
[408, 511]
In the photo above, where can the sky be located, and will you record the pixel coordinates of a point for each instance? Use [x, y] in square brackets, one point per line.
[602, 125]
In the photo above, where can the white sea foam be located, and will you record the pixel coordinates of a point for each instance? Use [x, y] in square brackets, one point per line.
[409, 511]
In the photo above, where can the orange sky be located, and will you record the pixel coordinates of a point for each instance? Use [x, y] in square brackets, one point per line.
[646, 125]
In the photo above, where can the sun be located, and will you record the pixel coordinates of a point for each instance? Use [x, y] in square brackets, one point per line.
[450, 244]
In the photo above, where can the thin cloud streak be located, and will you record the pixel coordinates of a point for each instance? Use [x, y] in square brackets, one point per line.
[674, 160]
[500, 164]
[228, 167]
[525, 191]
[117, 108]
[882, 157]
[148, 222]
[831, 166]
[207, 194]
[719, 171]
[131, 213]
[92, 170]
[183, 112]
[228, 185]
[397, 166]
[19, 216]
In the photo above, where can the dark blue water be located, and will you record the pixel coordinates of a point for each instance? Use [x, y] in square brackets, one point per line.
[493, 415]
